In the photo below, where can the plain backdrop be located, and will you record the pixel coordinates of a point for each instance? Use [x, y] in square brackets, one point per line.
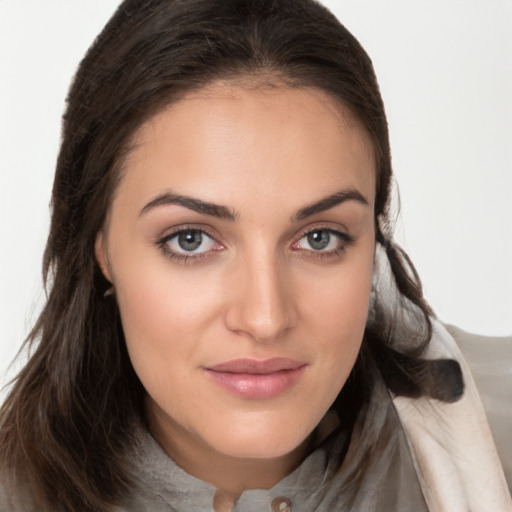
[445, 70]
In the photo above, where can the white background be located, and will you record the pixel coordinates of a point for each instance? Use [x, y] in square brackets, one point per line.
[445, 69]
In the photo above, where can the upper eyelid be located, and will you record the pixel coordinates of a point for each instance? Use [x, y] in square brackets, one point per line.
[179, 229]
[322, 226]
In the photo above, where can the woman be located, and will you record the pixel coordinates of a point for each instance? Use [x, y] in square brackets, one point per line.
[230, 324]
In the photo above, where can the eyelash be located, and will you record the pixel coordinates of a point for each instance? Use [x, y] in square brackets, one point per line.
[344, 241]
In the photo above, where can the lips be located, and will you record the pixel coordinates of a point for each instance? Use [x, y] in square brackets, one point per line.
[257, 380]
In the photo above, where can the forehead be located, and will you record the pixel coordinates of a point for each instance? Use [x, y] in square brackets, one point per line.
[226, 138]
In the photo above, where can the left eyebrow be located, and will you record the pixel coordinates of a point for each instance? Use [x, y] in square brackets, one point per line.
[329, 202]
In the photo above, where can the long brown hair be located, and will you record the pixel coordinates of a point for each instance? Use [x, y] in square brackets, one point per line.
[66, 423]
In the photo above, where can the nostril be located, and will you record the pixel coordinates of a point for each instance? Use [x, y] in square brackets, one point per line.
[263, 322]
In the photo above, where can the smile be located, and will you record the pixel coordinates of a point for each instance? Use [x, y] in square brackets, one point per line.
[257, 380]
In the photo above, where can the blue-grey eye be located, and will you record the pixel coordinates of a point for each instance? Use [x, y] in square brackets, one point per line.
[319, 239]
[190, 241]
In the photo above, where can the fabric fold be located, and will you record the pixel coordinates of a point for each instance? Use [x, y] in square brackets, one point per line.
[452, 445]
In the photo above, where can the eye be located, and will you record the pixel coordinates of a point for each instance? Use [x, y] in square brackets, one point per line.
[191, 241]
[323, 240]
[186, 243]
[320, 240]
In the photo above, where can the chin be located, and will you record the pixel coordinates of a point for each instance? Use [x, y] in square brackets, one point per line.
[260, 441]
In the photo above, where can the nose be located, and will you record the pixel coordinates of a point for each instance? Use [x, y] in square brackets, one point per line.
[262, 306]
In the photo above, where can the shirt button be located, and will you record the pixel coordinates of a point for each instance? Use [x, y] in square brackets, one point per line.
[281, 505]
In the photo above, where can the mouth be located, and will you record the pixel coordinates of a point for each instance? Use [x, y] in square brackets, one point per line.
[257, 380]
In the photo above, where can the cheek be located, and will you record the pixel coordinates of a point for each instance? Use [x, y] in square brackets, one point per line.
[339, 299]
[159, 300]
[336, 310]
[163, 316]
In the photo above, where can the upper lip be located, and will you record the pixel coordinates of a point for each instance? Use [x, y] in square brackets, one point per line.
[257, 367]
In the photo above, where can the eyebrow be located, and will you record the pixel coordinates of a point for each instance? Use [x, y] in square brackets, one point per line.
[328, 202]
[223, 212]
[215, 210]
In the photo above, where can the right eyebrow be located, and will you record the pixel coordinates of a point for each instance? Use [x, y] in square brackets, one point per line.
[197, 205]
[329, 202]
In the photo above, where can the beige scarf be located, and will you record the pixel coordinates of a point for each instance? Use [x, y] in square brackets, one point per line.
[452, 446]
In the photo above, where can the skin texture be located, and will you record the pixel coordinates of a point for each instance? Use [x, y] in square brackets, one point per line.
[255, 288]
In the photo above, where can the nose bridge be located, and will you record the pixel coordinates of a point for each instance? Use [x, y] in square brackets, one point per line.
[262, 305]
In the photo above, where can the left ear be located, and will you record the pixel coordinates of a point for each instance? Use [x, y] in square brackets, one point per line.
[100, 252]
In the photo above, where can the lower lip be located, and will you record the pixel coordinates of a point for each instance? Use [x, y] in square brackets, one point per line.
[255, 386]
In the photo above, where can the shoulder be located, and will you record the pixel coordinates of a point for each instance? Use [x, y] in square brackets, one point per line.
[490, 361]
[480, 351]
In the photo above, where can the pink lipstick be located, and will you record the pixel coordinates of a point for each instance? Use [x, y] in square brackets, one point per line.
[257, 380]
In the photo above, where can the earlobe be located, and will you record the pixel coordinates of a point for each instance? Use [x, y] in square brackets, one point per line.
[100, 252]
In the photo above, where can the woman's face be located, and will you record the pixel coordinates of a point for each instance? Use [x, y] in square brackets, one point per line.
[240, 243]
